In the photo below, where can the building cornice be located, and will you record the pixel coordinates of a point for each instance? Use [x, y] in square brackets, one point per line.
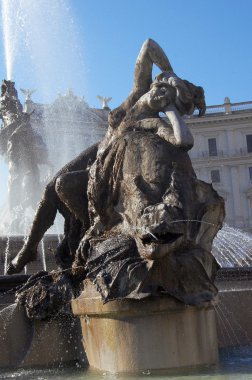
[219, 161]
[220, 119]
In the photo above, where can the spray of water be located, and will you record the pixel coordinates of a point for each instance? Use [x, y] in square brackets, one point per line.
[233, 247]
[9, 14]
[7, 254]
[41, 39]
[43, 257]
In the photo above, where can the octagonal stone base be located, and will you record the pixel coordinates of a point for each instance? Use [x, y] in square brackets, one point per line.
[153, 333]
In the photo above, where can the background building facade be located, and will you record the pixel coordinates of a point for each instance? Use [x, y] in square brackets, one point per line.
[222, 152]
[222, 155]
[68, 126]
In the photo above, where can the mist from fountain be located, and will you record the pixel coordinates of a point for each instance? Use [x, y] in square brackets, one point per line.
[36, 42]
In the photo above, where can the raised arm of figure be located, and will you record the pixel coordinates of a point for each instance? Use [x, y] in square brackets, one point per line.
[150, 53]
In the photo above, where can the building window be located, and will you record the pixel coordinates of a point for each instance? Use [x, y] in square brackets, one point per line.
[215, 176]
[250, 173]
[249, 143]
[212, 147]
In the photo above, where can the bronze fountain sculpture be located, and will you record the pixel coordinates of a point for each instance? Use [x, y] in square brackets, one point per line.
[138, 221]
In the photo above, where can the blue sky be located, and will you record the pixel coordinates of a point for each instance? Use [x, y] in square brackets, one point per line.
[207, 42]
[91, 46]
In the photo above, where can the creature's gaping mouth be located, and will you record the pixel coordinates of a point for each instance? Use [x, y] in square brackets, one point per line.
[164, 238]
[159, 97]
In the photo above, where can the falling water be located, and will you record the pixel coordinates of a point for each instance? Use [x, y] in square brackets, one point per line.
[233, 247]
[43, 254]
[9, 35]
[57, 224]
[7, 254]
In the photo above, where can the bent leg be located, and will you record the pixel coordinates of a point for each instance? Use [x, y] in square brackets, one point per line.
[66, 250]
[43, 220]
[150, 53]
[71, 189]
[47, 210]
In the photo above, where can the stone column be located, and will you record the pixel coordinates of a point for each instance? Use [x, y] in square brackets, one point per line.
[232, 145]
[152, 333]
[235, 180]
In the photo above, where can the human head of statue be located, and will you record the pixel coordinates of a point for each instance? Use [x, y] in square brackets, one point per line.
[186, 97]
[199, 99]
[167, 88]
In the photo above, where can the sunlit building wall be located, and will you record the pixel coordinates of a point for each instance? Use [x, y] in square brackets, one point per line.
[222, 155]
[222, 152]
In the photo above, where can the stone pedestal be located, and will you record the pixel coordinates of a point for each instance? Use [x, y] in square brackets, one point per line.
[154, 333]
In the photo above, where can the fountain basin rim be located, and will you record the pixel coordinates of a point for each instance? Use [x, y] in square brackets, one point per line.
[8, 282]
[234, 274]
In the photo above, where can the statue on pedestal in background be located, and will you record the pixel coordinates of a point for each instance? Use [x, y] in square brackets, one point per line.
[23, 149]
[28, 93]
[104, 101]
